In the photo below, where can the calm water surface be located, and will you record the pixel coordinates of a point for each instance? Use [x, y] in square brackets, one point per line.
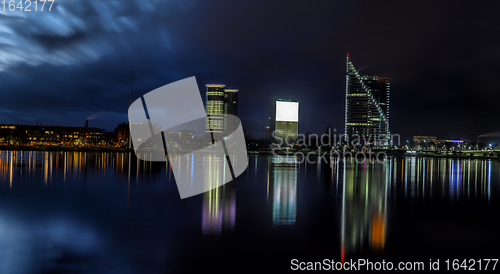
[75, 212]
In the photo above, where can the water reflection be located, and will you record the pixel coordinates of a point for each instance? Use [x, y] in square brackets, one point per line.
[219, 209]
[367, 187]
[70, 166]
[219, 204]
[454, 179]
[98, 205]
[284, 191]
[364, 207]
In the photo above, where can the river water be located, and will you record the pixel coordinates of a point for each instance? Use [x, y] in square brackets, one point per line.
[82, 212]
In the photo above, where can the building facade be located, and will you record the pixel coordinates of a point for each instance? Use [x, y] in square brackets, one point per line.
[50, 135]
[366, 108]
[221, 101]
[123, 134]
[425, 139]
[215, 108]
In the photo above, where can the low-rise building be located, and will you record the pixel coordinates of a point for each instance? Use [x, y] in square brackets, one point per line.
[50, 135]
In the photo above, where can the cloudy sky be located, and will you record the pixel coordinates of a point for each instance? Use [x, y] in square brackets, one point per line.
[73, 62]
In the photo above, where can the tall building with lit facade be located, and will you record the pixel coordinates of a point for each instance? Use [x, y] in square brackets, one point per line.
[366, 108]
[215, 108]
[220, 101]
[50, 135]
[285, 120]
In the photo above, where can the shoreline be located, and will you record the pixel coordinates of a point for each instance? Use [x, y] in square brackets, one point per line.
[486, 154]
[61, 148]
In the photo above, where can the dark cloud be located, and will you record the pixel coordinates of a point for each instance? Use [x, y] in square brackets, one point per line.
[63, 66]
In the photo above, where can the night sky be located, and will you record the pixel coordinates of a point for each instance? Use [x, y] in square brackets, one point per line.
[73, 63]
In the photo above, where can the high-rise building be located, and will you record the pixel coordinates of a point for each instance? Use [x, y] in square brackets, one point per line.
[221, 101]
[366, 108]
[285, 120]
[215, 108]
[231, 102]
[230, 107]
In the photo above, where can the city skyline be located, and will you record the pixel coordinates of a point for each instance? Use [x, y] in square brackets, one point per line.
[442, 70]
[228, 107]
[190, 136]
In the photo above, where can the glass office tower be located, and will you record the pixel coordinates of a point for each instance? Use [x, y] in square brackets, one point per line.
[285, 120]
[367, 108]
[215, 108]
[230, 107]
[221, 101]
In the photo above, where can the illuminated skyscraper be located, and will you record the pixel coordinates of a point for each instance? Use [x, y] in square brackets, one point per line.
[366, 108]
[215, 108]
[285, 120]
[221, 101]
